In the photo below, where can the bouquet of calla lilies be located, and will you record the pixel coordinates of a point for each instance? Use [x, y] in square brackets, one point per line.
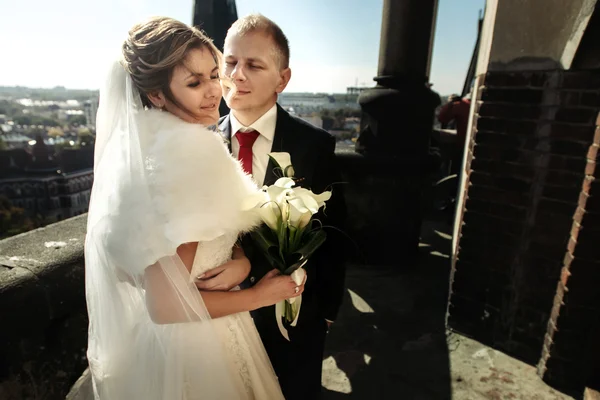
[290, 234]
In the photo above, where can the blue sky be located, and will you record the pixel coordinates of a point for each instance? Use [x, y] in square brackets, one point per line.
[334, 43]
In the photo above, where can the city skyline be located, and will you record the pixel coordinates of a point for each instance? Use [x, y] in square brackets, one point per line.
[68, 44]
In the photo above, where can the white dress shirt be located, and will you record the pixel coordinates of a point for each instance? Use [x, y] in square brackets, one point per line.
[265, 126]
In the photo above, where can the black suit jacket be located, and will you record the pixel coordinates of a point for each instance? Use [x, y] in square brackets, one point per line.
[312, 151]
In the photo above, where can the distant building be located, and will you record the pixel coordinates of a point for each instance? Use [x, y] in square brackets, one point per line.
[352, 124]
[90, 108]
[313, 120]
[44, 186]
[355, 89]
[298, 100]
[15, 140]
[57, 196]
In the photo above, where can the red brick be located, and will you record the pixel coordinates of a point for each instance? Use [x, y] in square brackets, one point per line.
[502, 139]
[549, 251]
[592, 152]
[499, 261]
[564, 194]
[500, 182]
[471, 281]
[571, 164]
[464, 308]
[552, 206]
[508, 111]
[556, 223]
[506, 80]
[572, 132]
[505, 211]
[503, 168]
[585, 80]
[512, 96]
[590, 99]
[487, 223]
[498, 196]
[500, 125]
[487, 244]
[564, 178]
[576, 115]
[516, 79]
[569, 98]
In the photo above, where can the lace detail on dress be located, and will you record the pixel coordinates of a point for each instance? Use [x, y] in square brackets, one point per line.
[210, 255]
[238, 353]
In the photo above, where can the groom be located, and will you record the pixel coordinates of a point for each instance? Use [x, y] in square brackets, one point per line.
[256, 56]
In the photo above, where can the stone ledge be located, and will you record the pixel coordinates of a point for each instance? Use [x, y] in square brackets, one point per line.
[43, 311]
[43, 272]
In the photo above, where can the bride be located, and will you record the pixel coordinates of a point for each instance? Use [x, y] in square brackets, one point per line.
[166, 207]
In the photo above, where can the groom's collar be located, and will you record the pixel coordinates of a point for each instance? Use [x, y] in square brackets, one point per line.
[265, 125]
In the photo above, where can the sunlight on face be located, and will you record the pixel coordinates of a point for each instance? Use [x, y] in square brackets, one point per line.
[195, 86]
[252, 67]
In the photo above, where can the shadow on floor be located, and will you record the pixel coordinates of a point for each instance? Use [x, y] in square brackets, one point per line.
[389, 341]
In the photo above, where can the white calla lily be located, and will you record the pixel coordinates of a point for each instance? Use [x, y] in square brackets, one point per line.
[300, 215]
[313, 201]
[277, 197]
[266, 205]
[287, 183]
[270, 213]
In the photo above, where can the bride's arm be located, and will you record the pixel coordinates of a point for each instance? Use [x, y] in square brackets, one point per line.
[166, 307]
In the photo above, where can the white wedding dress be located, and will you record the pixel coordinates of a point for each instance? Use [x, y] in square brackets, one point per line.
[244, 349]
[160, 182]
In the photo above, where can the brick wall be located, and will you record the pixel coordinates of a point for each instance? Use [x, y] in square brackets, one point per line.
[571, 352]
[526, 164]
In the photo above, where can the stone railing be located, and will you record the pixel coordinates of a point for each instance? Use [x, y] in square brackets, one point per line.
[42, 309]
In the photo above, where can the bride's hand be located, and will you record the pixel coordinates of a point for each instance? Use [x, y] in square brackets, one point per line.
[228, 275]
[273, 288]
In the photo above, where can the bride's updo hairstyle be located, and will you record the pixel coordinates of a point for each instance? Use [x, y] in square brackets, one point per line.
[154, 48]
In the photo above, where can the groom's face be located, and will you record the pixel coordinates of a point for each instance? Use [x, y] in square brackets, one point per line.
[251, 62]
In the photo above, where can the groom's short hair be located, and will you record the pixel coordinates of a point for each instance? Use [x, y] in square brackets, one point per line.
[259, 23]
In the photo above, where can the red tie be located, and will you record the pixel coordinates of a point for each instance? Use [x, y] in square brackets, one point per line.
[246, 141]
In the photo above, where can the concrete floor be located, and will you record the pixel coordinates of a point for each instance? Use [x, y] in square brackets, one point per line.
[390, 341]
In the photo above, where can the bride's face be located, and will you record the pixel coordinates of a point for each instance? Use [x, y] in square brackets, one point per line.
[195, 86]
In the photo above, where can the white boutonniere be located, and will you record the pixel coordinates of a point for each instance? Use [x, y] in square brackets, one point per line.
[283, 163]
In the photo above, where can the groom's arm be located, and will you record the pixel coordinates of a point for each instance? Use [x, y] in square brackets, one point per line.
[331, 269]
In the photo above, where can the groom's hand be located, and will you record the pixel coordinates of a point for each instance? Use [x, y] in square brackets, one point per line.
[226, 276]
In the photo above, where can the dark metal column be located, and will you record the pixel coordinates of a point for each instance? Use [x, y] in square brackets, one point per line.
[215, 17]
[393, 163]
[398, 112]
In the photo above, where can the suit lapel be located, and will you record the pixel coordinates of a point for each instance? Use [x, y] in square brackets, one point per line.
[225, 128]
[282, 142]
